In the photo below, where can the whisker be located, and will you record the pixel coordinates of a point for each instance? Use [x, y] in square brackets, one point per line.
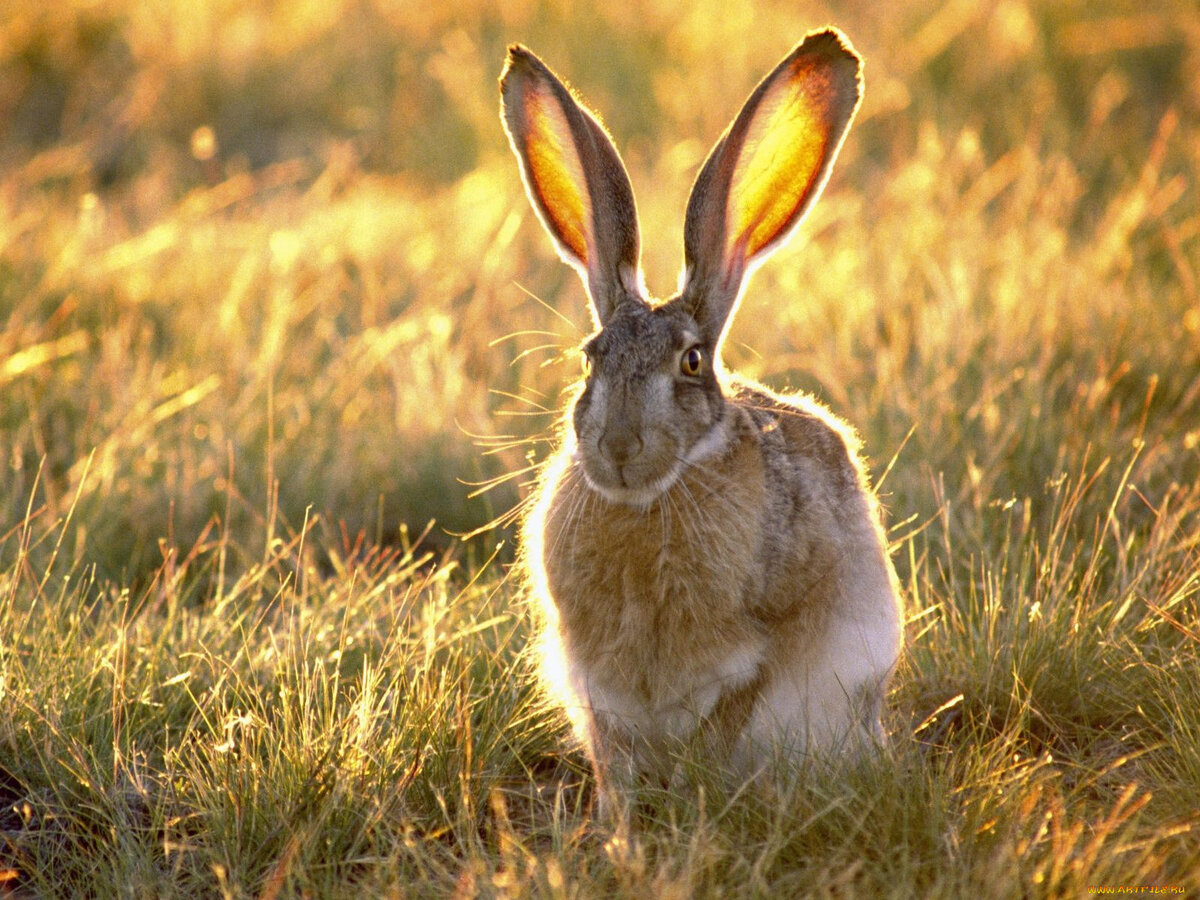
[482, 487]
[511, 396]
[527, 332]
[524, 414]
[503, 520]
[539, 347]
[661, 502]
[535, 297]
[576, 497]
[501, 443]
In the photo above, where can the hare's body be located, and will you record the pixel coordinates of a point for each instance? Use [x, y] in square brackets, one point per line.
[749, 606]
[708, 554]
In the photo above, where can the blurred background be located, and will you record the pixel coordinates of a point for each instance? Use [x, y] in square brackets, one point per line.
[264, 261]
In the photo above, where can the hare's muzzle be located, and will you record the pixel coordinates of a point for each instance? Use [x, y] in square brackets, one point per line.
[620, 444]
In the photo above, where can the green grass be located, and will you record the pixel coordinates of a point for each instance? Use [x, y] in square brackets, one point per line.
[236, 385]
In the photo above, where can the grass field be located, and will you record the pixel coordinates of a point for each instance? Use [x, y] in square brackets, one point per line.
[272, 301]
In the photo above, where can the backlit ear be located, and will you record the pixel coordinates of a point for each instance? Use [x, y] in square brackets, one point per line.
[575, 180]
[766, 171]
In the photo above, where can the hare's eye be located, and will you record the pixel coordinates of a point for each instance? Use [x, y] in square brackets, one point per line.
[691, 361]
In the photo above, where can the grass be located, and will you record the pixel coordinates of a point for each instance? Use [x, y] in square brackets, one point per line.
[269, 288]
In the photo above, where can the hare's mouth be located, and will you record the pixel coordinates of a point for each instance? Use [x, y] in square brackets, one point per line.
[625, 484]
[640, 496]
[641, 481]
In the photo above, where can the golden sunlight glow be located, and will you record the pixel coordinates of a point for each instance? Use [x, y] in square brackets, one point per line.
[783, 157]
[556, 170]
[284, 356]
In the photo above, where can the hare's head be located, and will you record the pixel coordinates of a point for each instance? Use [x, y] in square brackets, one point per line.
[652, 402]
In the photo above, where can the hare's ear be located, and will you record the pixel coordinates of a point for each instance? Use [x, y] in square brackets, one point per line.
[765, 172]
[575, 180]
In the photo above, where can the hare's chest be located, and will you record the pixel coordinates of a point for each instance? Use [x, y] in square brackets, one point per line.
[653, 609]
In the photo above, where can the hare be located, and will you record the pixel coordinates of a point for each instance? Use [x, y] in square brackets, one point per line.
[708, 553]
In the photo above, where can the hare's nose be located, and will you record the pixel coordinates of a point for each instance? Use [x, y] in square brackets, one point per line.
[620, 445]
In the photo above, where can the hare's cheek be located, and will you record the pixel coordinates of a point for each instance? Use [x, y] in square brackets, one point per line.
[699, 408]
[588, 415]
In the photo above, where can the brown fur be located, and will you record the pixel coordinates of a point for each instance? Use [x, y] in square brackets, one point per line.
[648, 601]
[708, 555]
[682, 573]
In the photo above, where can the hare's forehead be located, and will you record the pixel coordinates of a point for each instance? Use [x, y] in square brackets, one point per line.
[643, 336]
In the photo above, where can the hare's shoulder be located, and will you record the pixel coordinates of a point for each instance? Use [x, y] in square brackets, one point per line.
[798, 425]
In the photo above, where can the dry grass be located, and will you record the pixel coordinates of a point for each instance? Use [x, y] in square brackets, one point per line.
[265, 276]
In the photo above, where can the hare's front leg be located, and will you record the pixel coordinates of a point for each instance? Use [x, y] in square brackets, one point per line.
[613, 755]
